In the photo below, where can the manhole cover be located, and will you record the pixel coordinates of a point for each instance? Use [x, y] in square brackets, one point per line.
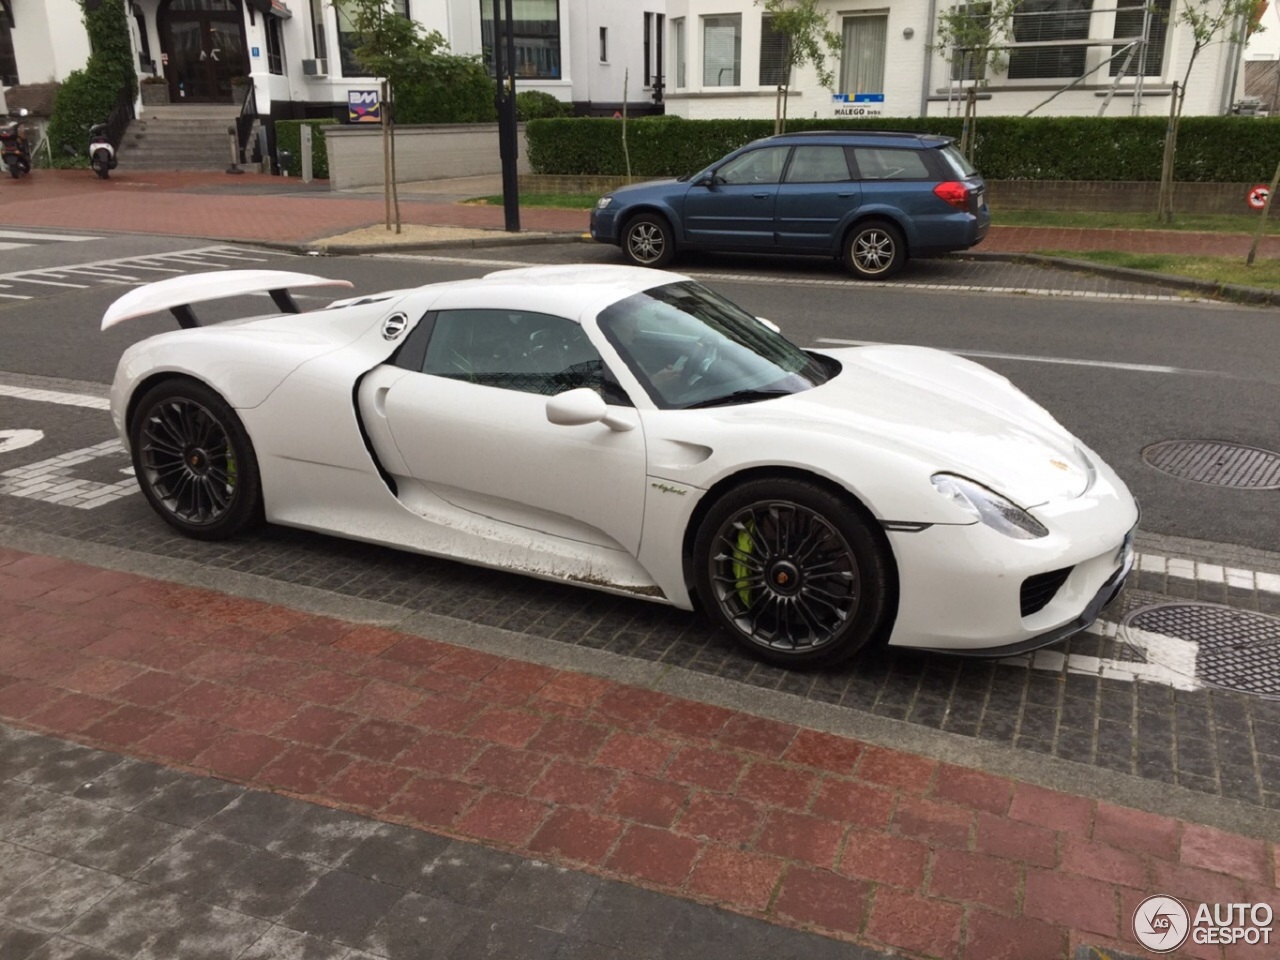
[1221, 647]
[1215, 461]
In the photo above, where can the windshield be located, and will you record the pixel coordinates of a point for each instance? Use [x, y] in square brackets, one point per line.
[691, 347]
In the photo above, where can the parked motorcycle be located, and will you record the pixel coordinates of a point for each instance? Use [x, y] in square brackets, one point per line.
[15, 151]
[102, 155]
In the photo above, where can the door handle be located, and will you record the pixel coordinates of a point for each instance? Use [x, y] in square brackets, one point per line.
[380, 401]
[849, 194]
[761, 196]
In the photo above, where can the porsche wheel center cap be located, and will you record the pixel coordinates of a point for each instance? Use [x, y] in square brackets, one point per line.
[784, 576]
[197, 460]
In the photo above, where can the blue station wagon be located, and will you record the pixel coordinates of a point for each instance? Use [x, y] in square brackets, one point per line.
[869, 198]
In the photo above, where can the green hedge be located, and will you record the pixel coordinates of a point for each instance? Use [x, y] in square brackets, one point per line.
[289, 137]
[88, 96]
[1210, 149]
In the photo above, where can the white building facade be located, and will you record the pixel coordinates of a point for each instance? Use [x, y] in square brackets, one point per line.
[725, 61]
[299, 53]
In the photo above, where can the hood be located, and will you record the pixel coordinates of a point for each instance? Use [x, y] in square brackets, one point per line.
[950, 413]
[633, 191]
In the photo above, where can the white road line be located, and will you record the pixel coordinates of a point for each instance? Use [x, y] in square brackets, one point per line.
[1064, 361]
[118, 261]
[1208, 572]
[55, 396]
[14, 246]
[13, 296]
[53, 283]
[147, 266]
[24, 235]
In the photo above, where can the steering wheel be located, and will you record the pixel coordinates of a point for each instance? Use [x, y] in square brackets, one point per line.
[701, 357]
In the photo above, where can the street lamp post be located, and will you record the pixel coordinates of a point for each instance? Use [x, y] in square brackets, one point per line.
[504, 70]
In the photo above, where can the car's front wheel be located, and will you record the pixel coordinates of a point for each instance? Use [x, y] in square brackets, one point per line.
[647, 241]
[795, 573]
[194, 460]
[874, 250]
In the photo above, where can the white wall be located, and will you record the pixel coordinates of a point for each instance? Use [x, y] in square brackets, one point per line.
[49, 40]
[1210, 86]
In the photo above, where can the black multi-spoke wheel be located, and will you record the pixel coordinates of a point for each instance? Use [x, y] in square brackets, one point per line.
[792, 571]
[874, 250]
[194, 460]
[647, 241]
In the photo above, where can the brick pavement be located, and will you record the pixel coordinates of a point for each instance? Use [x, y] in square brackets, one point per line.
[255, 207]
[789, 825]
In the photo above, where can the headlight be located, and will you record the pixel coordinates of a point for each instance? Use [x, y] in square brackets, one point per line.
[603, 202]
[988, 507]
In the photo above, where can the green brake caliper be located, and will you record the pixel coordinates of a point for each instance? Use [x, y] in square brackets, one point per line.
[740, 570]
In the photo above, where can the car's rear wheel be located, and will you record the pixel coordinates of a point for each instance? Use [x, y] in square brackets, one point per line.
[647, 241]
[795, 573]
[874, 250]
[194, 461]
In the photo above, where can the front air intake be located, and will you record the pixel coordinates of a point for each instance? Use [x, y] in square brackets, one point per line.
[1037, 591]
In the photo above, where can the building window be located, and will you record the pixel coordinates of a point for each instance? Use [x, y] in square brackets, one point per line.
[401, 7]
[275, 47]
[1049, 20]
[537, 37]
[1129, 24]
[348, 41]
[677, 41]
[862, 61]
[722, 51]
[971, 64]
[317, 30]
[604, 44]
[774, 49]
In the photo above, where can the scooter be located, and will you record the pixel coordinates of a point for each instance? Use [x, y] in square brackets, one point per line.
[102, 155]
[15, 151]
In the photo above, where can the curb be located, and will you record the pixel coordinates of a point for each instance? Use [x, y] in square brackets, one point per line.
[1222, 291]
[313, 248]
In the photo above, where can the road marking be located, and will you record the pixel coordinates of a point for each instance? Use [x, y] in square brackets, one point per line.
[13, 296]
[55, 283]
[55, 396]
[17, 439]
[13, 246]
[51, 480]
[24, 235]
[128, 261]
[1153, 646]
[1064, 361]
[1208, 572]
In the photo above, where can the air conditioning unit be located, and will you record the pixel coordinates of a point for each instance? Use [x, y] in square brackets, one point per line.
[315, 68]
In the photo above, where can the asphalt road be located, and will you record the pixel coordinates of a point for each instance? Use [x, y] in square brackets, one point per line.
[1122, 374]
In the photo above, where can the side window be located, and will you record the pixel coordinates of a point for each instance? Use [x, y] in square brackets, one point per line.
[818, 164]
[756, 166]
[515, 350]
[876, 163]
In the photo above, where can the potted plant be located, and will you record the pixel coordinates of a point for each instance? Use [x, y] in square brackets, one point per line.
[155, 91]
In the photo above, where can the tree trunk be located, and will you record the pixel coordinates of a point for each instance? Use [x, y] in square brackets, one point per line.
[1164, 212]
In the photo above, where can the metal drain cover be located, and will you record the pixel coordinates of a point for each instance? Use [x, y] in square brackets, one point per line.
[1235, 649]
[1216, 461]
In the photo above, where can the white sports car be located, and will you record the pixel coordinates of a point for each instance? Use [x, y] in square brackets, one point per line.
[633, 431]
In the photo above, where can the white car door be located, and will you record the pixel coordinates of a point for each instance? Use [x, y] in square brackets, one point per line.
[472, 426]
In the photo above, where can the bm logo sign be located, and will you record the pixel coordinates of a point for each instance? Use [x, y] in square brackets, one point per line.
[363, 106]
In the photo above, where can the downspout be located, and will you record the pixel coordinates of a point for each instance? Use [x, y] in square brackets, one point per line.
[928, 59]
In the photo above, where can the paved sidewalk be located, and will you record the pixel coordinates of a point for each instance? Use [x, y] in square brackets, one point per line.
[774, 821]
[279, 209]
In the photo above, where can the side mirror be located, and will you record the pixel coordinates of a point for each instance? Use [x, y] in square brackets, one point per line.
[577, 408]
[706, 180]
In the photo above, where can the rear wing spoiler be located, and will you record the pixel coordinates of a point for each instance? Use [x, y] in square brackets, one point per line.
[178, 293]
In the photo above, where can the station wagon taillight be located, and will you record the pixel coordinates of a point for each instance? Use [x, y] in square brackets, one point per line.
[954, 192]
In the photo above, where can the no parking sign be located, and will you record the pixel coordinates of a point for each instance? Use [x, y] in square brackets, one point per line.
[1258, 196]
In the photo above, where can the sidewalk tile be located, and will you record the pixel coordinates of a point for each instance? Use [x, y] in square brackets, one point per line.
[507, 768]
[510, 727]
[654, 855]
[972, 788]
[976, 878]
[808, 840]
[824, 751]
[646, 800]
[933, 822]
[1222, 852]
[716, 817]
[699, 721]
[577, 784]
[913, 923]
[577, 835]
[378, 740]
[823, 899]
[1137, 831]
[504, 817]
[744, 880]
[709, 769]
[991, 936]
[893, 769]
[366, 785]
[302, 769]
[1079, 902]
[433, 803]
[1101, 862]
[241, 755]
[1016, 841]
[758, 735]
[634, 752]
[1051, 809]
[885, 859]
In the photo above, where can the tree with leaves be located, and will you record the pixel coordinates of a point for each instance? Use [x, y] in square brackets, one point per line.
[1209, 21]
[810, 39]
[971, 37]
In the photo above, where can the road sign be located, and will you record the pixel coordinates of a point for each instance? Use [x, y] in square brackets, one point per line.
[1258, 196]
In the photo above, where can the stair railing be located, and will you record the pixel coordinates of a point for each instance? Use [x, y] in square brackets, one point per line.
[121, 114]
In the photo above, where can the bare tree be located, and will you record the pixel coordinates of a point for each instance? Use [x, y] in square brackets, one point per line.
[1210, 21]
[810, 38]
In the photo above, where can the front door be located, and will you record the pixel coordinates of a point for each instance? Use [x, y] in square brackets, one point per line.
[204, 48]
[736, 208]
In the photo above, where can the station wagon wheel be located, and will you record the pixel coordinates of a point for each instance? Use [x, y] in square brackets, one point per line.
[647, 241]
[793, 572]
[194, 461]
[874, 250]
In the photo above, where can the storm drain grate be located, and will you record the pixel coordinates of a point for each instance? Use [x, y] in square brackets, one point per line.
[1217, 462]
[1238, 649]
